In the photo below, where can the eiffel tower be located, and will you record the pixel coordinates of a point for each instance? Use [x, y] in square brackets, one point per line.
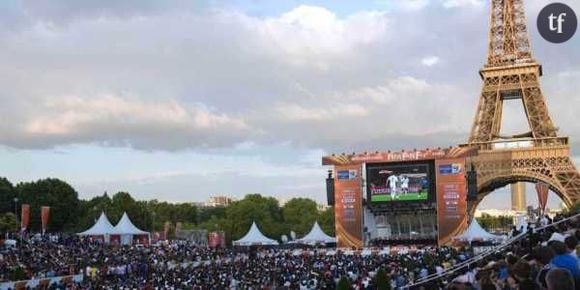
[511, 73]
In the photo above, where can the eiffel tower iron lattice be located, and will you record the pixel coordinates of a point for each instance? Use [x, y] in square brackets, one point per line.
[511, 73]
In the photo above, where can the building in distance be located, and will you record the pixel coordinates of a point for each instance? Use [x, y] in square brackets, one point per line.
[219, 200]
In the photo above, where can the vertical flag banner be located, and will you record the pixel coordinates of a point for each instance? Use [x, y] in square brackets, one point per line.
[44, 217]
[348, 206]
[452, 216]
[24, 217]
[177, 227]
[216, 239]
[542, 190]
[213, 240]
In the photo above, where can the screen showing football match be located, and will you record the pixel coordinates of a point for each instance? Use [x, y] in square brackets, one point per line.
[400, 182]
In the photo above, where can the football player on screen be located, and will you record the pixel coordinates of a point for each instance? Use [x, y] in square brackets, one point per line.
[404, 184]
[393, 180]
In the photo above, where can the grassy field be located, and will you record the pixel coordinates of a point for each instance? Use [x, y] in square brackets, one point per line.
[408, 197]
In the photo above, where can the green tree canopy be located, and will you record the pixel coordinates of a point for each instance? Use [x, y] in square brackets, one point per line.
[8, 223]
[69, 214]
[7, 195]
[163, 212]
[123, 202]
[326, 221]
[207, 213]
[59, 195]
[575, 208]
[265, 211]
[300, 214]
[90, 210]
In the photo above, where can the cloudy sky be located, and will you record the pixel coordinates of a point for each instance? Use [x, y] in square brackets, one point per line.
[179, 100]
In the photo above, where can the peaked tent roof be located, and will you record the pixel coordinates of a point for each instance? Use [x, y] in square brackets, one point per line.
[126, 227]
[476, 232]
[254, 237]
[316, 235]
[102, 227]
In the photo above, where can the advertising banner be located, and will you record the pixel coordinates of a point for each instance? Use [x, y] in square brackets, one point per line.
[24, 217]
[44, 217]
[348, 206]
[451, 198]
[409, 155]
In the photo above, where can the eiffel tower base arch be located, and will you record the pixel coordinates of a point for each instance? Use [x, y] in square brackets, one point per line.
[549, 164]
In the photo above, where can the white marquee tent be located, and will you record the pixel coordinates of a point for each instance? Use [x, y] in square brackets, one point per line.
[476, 233]
[124, 229]
[316, 236]
[102, 227]
[254, 237]
[127, 230]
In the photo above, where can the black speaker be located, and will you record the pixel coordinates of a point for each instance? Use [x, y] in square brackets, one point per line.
[471, 184]
[330, 189]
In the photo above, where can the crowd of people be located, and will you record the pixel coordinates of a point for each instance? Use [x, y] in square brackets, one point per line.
[545, 259]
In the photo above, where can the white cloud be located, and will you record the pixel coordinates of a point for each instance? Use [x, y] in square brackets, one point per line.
[235, 68]
[371, 117]
[416, 4]
[165, 75]
[70, 113]
[295, 112]
[120, 120]
[312, 36]
[177, 79]
[430, 61]
[403, 5]
[462, 3]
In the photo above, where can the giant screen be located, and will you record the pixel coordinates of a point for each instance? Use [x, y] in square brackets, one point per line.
[398, 182]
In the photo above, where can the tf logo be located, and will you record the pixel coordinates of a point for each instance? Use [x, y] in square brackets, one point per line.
[557, 22]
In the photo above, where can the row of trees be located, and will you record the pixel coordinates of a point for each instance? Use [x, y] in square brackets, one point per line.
[70, 214]
[63, 199]
[296, 215]
[491, 223]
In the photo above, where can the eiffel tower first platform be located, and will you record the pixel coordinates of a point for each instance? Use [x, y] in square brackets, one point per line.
[511, 72]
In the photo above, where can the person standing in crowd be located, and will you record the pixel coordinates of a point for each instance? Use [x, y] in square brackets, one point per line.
[560, 279]
[185, 265]
[521, 276]
[564, 260]
[571, 245]
[542, 257]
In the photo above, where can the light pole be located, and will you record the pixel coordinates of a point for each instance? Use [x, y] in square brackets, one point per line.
[17, 220]
[16, 207]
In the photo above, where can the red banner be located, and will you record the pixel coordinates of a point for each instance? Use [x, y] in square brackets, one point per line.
[24, 216]
[216, 239]
[44, 217]
[542, 189]
[451, 198]
[348, 206]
